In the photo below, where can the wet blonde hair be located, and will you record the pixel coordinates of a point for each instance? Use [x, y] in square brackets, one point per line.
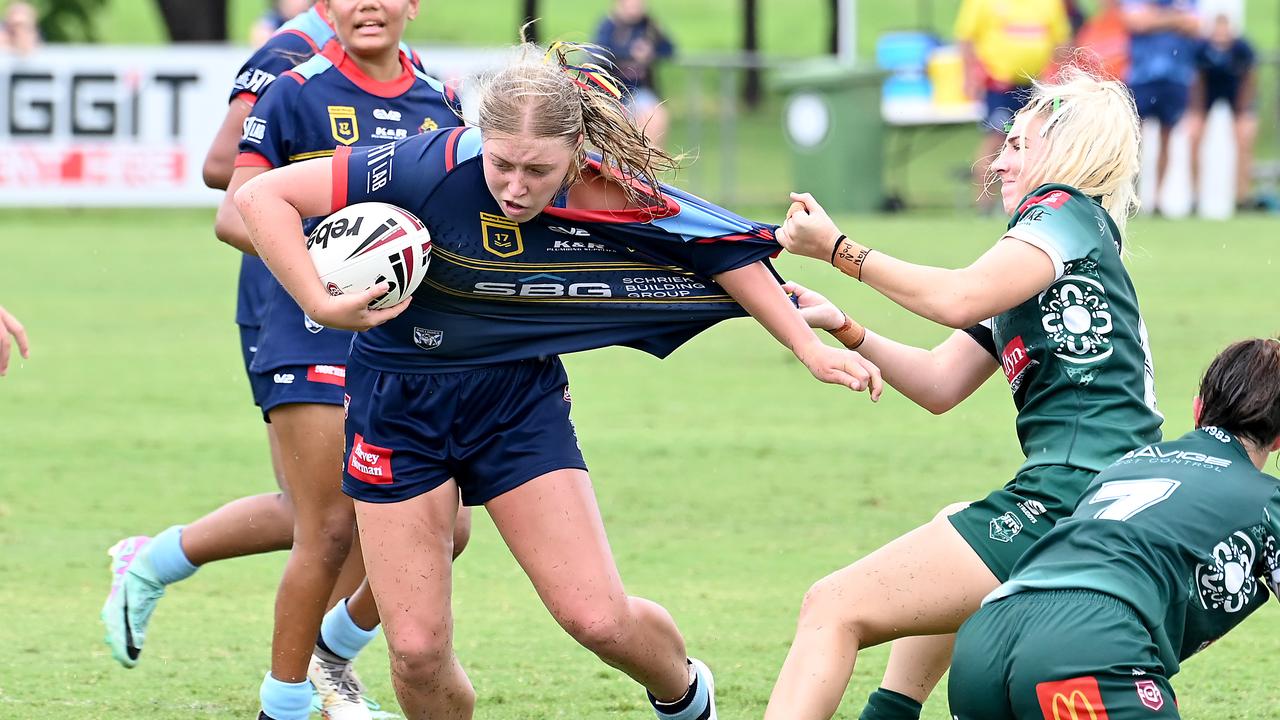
[1090, 139]
[563, 92]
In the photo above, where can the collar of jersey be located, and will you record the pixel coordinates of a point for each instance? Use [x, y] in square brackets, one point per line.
[334, 53]
[668, 208]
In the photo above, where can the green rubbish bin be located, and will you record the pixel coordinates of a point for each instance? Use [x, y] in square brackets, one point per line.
[832, 121]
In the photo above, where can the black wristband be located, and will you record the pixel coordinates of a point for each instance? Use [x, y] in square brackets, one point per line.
[836, 247]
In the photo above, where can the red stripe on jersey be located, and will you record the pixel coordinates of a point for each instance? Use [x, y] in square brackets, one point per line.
[450, 146]
[390, 89]
[1054, 199]
[252, 159]
[246, 96]
[628, 215]
[293, 76]
[764, 233]
[340, 156]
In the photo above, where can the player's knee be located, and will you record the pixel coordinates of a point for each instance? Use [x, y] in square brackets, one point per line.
[601, 631]
[828, 603]
[419, 656]
[331, 536]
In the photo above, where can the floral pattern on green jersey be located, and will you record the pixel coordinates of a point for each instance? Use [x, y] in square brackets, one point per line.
[1228, 583]
[1076, 318]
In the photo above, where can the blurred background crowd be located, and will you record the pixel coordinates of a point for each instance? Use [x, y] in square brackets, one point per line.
[898, 107]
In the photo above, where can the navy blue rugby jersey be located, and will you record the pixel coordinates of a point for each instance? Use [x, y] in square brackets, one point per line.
[565, 281]
[295, 42]
[324, 103]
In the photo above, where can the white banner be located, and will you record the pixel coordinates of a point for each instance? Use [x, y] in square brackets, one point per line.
[98, 126]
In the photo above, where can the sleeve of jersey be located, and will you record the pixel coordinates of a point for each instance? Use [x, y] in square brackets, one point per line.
[1058, 223]
[981, 334]
[264, 142]
[404, 173]
[279, 54]
[719, 240]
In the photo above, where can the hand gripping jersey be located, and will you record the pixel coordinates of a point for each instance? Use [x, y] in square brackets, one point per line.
[1076, 356]
[324, 103]
[1187, 532]
[565, 281]
[296, 41]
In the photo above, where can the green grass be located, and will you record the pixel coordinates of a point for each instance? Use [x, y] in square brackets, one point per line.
[728, 479]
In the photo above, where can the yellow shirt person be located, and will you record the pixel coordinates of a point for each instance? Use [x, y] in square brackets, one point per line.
[1013, 40]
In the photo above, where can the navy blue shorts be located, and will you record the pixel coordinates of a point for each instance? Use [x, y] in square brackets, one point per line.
[299, 385]
[259, 384]
[1162, 101]
[1214, 92]
[1002, 105]
[492, 430]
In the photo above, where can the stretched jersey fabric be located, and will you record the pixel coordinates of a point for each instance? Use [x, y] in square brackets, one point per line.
[1076, 356]
[567, 280]
[1187, 532]
[324, 103]
[296, 41]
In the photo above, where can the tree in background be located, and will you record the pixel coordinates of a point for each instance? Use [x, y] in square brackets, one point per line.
[68, 20]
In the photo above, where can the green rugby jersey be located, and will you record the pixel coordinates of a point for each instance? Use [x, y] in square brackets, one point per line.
[1076, 356]
[1184, 531]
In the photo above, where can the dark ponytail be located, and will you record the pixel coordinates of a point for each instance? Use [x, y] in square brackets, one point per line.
[1240, 392]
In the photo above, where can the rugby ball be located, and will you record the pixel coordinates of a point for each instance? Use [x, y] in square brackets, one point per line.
[365, 244]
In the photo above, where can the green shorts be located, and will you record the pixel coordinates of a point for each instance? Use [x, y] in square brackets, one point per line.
[1058, 655]
[1001, 526]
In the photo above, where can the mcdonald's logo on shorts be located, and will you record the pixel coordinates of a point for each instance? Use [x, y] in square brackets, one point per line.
[1074, 699]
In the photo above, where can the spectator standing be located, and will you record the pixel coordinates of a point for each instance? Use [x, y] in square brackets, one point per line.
[1226, 71]
[1161, 64]
[636, 43]
[21, 34]
[1006, 45]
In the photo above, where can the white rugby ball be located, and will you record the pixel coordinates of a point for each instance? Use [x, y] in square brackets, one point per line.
[365, 244]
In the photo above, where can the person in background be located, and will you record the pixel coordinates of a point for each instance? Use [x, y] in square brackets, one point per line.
[281, 12]
[1005, 46]
[9, 325]
[636, 43]
[20, 32]
[1161, 64]
[1226, 70]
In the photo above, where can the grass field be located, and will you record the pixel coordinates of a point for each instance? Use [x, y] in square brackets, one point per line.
[729, 480]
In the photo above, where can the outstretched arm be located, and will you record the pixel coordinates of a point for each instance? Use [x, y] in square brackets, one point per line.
[756, 291]
[1004, 277]
[936, 380]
